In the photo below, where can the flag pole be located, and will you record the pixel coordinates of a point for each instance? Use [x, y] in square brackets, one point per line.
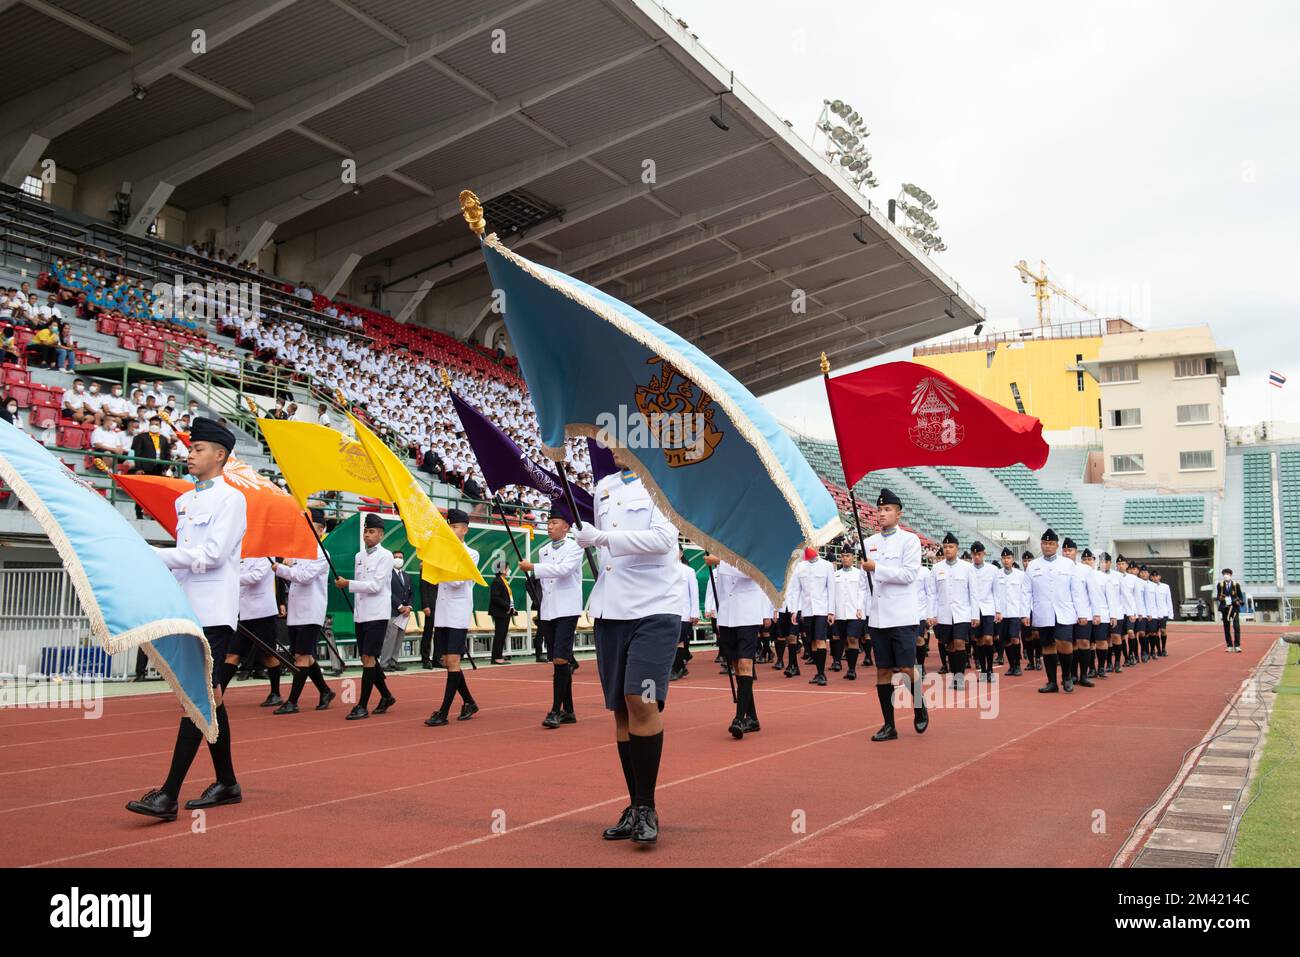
[577, 520]
[853, 499]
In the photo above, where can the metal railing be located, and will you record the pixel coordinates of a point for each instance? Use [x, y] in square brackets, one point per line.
[45, 631]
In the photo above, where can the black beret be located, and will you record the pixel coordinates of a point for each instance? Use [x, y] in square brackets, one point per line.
[1049, 536]
[206, 430]
[374, 521]
[1142, 568]
[1007, 551]
[977, 546]
[886, 497]
[559, 509]
[455, 515]
[1105, 556]
[950, 539]
[1087, 553]
[1068, 542]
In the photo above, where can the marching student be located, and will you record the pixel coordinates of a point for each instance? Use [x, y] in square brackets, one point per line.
[1080, 574]
[1128, 603]
[559, 570]
[1115, 604]
[814, 603]
[984, 576]
[1165, 601]
[1095, 657]
[371, 612]
[850, 623]
[925, 620]
[956, 607]
[451, 621]
[739, 618]
[787, 635]
[636, 605]
[690, 613]
[308, 585]
[211, 520]
[1053, 616]
[1012, 601]
[893, 559]
[258, 611]
[1029, 636]
[1146, 613]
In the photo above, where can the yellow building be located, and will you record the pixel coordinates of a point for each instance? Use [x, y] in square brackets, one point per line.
[1036, 371]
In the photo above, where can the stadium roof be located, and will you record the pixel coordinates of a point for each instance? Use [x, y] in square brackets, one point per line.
[554, 133]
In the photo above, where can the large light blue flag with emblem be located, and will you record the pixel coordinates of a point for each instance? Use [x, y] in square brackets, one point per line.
[128, 594]
[715, 461]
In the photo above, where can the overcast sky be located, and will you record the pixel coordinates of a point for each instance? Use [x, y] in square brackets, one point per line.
[1148, 151]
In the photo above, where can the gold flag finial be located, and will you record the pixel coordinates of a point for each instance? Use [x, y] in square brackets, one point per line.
[341, 399]
[252, 406]
[472, 210]
[826, 365]
[99, 464]
[446, 379]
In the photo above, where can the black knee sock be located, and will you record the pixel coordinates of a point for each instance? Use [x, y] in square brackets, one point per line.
[886, 695]
[380, 684]
[943, 655]
[1049, 663]
[1164, 640]
[988, 658]
[557, 685]
[819, 657]
[449, 691]
[188, 739]
[837, 649]
[317, 679]
[645, 752]
[220, 749]
[747, 685]
[866, 651]
[914, 689]
[567, 701]
[463, 686]
[780, 652]
[273, 676]
[367, 684]
[299, 682]
[1067, 664]
[625, 759]
[679, 659]
[744, 691]
[224, 672]
[852, 655]
[1013, 655]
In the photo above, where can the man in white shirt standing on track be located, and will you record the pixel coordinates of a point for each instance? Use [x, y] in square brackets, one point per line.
[1165, 601]
[850, 622]
[815, 604]
[740, 606]
[1053, 615]
[559, 569]
[956, 607]
[1080, 575]
[1012, 601]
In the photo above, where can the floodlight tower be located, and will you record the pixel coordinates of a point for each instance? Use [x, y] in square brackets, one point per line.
[922, 227]
[845, 146]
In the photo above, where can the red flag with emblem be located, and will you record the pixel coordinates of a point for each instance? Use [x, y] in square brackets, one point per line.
[904, 413]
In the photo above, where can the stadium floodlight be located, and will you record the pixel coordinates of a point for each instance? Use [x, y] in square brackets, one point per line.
[921, 226]
[844, 145]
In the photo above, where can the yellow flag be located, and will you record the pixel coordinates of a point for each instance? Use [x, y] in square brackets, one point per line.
[444, 557]
[314, 459]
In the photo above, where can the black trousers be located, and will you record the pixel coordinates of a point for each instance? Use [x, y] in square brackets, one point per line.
[502, 624]
[1231, 629]
[426, 637]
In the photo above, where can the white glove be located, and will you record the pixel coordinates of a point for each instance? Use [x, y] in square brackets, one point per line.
[590, 536]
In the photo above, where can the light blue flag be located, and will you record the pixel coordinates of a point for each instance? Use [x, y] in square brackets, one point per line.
[128, 594]
[715, 461]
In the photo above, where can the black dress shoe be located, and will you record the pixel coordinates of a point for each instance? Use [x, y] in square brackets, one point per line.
[357, 713]
[242, 675]
[645, 825]
[959, 681]
[259, 674]
[1015, 672]
[214, 795]
[139, 678]
[921, 719]
[437, 719]
[867, 662]
[467, 711]
[156, 803]
[537, 658]
[623, 829]
[325, 700]
[398, 666]
[779, 666]
[1085, 683]
[819, 680]
[749, 724]
[271, 701]
[552, 720]
[674, 675]
[887, 732]
[1049, 688]
[289, 707]
[1067, 685]
[336, 672]
[736, 729]
[385, 704]
[574, 665]
[851, 675]
[568, 717]
[836, 666]
[426, 664]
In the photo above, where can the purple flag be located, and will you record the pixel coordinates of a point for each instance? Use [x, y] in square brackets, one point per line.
[504, 463]
[602, 461]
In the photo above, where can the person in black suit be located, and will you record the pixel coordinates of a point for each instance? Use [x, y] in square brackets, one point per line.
[428, 601]
[1227, 594]
[402, 600]
[150, 451]
[501, 608]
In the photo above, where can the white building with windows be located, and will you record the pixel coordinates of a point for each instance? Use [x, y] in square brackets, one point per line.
[1162, 408]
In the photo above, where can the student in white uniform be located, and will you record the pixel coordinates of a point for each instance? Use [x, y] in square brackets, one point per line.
[1051, 583]
[1146, 614]
[815, 604]
[1165, 601]
[956, 607]
[787, 635]
[690, 593]
[925, 618]
[984, 578]
[739, 606]
[1128, 602]
[258, 611]
[850, 620]
[1115, 603]
[893, 559]
[1080, 575]
[308, 582]
[452, 618]
[1095, 663]
[636, 604]
[1029, 635]
[559, 570]
[210, 524]
[1011, 598]
[371, 611]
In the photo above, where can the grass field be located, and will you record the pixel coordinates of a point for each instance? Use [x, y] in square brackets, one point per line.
[1269, 834]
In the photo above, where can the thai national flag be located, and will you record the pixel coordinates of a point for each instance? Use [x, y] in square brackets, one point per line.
[1276, 379]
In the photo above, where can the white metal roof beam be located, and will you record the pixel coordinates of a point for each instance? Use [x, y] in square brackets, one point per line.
[708, 298]
[28, 123]
[80, 25]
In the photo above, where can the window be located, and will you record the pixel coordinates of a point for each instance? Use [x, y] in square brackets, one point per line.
[1186, 368]
[1119, 372]
[33, 186]
[1127, 463]
[1125, 418]
[1015, 394]
[1189, 414]
[1078, 376]
[1192, 461]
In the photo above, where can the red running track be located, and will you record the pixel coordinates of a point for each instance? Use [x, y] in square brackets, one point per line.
[1026, 787]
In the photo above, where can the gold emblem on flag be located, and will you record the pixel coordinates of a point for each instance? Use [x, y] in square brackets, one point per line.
[934, 406]
[679, 416]
[356, 462]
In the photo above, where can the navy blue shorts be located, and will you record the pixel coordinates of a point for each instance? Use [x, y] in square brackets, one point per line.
[219, 641]
[263, 628]
[557, 633]
[370, 636]
[783, 627]
[303, 639]
[988, 626]
[813, 627]
[452, 641]
[1064, 631]
[687, 631]
[738, 642]
[1128, 624]
[894, 647]
[634, 657]
[1164, 622]
[1083, 632]
[1101, 632]
[957, 631]
[850, 628]
[1009, 628]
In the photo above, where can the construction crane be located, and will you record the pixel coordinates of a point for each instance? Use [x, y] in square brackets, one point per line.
[1044, 289]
